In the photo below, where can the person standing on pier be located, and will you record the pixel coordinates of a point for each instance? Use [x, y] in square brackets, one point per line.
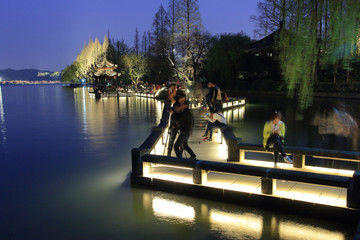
[174, 120]
[214, 97]
[172, 90]
[186, 122]
[274, 133]
[175, 113]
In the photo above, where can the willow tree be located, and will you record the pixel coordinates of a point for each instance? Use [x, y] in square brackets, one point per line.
[343, 34]
[298, 47]
[318, 33]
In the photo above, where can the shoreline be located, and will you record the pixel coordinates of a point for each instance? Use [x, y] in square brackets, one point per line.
[25, 82]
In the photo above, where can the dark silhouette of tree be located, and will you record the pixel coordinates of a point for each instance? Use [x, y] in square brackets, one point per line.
[145, 44]
[271, 14]
[136, 42]
[226, 63]
[160, 36]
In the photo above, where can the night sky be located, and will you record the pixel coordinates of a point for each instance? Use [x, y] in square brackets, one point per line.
[47, 34]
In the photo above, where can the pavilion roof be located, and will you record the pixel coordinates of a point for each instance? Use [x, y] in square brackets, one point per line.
[106, 73]
[105, 64]
[105, 69]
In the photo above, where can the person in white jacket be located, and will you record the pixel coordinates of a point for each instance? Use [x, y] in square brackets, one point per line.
[215, 120]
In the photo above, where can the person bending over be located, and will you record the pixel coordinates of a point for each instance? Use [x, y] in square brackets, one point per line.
[215, 120]
[274, 133]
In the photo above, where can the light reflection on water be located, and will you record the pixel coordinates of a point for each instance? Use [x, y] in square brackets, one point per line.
[2, 121]
[230, 222]
[65, 175]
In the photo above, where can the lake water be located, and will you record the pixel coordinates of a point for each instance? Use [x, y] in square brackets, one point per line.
[65, 165]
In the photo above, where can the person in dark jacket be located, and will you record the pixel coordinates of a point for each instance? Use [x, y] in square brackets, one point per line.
[214, 98]
[175, 113]
[186, 121]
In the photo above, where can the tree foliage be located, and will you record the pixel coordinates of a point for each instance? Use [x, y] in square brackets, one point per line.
[316, 36]
[116, 50]
[188, 30]
[226, 59]
[82, 67]
[70, 73]
[136, 66]
[158, 62]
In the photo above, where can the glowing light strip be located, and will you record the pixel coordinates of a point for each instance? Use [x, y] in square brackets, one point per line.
[235, 187]
[170, 166]
[313, 198]
[341, 172]
[300, 195]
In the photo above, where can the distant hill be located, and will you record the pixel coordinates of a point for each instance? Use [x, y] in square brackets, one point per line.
[29, 75]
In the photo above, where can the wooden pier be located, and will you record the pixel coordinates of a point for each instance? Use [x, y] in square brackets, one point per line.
[225, 171]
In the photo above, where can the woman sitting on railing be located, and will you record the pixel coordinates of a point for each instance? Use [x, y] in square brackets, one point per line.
[274, 133]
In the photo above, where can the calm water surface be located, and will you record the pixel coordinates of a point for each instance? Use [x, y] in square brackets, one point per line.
[65, 165]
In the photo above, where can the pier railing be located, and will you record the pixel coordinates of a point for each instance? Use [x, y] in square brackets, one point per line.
[299, 154]
[268, 176]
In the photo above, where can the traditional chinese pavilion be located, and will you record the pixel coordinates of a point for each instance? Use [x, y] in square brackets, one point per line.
[104, 73]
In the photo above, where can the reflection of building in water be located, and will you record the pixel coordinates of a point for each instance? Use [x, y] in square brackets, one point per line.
[234, 223]
[2, 120]
[235, 115]
[102, 117]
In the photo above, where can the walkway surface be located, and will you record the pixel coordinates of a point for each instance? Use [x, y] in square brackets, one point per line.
[216, 150]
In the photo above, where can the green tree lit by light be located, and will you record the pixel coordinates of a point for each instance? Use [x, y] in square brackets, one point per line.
[82, 67]
[136, 66]
[317, 35]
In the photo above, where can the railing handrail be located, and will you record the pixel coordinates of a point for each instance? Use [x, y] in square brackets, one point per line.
[332, 154]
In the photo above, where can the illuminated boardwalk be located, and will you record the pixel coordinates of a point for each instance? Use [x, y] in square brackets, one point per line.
[226, 170]
[209, 150]
[216, 150]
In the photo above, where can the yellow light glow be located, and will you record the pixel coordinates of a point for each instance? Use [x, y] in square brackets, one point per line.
[234, 187]
[170, 209]
[265, 163]
[340, 172]
[184, 179]
[296, 231]
[222, 149]
[302, 195]
[236, 226]
[170, 166]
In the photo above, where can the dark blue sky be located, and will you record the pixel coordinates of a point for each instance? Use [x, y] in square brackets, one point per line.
[47, 34]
